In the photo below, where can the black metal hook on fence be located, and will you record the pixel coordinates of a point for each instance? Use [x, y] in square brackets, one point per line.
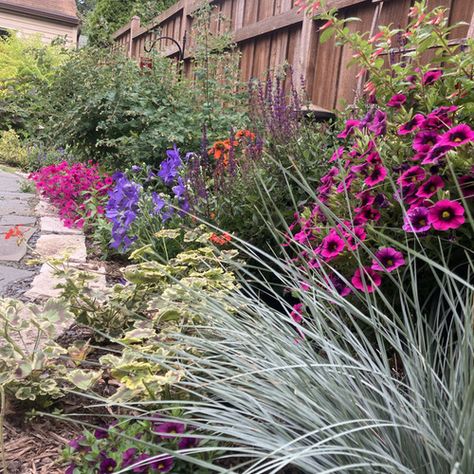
[181, 49]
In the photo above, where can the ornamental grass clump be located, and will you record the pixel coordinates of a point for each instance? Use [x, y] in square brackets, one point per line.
[383, 387]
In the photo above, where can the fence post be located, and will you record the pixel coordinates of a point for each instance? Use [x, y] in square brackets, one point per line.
[134, 27]
[304, 55]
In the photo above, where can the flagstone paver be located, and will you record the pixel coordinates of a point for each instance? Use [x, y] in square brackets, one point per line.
[73, 247]
[16, 209]
[13, 250]
[45, 283]
[54, 225]
[10, 275]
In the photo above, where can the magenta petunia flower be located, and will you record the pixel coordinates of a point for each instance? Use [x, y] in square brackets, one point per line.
[339, 285]
[379, 173]
[107, 465]
[331, 246]
[412, 175]
[431, 77]
[446, 214]
[128, 457]
[345, 184]
[355, 237]
[366, 279]
[169, 430]
[436, 153]
[163, 463]
[430, 187]
[365, 197]
[328, 177]
[439, 117]
[297, 313]
[411, 125]
[416, 220]
[337, 154]
[365, 214]
[379, 123]
[101, 434]
[457, 136]
[387, 259]
[424, 141]
[70, 469]
[397, 101]
[349, 128]
[188, 442]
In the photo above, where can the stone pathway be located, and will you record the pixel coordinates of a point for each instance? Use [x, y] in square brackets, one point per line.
[16, 208]
[52, 240]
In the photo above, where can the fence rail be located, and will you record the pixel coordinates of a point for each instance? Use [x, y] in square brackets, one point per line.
[270, 33]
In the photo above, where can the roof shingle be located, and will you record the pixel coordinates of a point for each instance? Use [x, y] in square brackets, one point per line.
[60, 7]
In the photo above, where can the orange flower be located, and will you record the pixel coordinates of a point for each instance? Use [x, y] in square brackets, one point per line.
[220, 240]
[245, 134]
[14, 232]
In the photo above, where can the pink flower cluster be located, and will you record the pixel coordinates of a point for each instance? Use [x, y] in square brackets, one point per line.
[68, 186]
[409, 194]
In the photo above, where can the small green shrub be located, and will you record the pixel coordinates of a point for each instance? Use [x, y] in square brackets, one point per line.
[12, 151]
[27, 65]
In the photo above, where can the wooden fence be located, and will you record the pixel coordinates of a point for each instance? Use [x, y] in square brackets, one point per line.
[272, 32]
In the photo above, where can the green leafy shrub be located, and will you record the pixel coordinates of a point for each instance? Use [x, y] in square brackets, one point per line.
[12, 151]
[33, 367]
[27, 66]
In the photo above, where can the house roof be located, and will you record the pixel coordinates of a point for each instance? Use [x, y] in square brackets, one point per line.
[60, 10]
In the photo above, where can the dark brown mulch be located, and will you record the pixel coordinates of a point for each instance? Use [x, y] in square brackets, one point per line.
[35, 447]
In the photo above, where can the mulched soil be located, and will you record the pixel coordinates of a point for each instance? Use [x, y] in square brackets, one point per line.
[34, 447]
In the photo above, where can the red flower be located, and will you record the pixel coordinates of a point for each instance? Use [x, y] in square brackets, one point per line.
[14, 232]
[220, 240]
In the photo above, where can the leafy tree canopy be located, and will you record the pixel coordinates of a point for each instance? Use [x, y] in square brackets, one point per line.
[103, 17]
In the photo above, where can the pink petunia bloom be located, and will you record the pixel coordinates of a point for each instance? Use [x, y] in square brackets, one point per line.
[362, 168]
[431, 77]
[457, 136]
[379, 173]
[365, 197]
[374, 158]
[366, 279]
[411, 125]
[416, 220]
[424, 141]
[345, 184]
[415, 174]
[337, 154]
[439, 117]
[436, 153]
[430, 187]
[339, 285]
[388, 259]
[331, 246]
[397, 101]
[379, 123]
[366, 213]
[446, 214]
[355, 237]
[297, 313]
[349, 128]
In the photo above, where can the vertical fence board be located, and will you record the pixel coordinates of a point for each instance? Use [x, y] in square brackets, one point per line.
[461, 11]
[270, 44]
